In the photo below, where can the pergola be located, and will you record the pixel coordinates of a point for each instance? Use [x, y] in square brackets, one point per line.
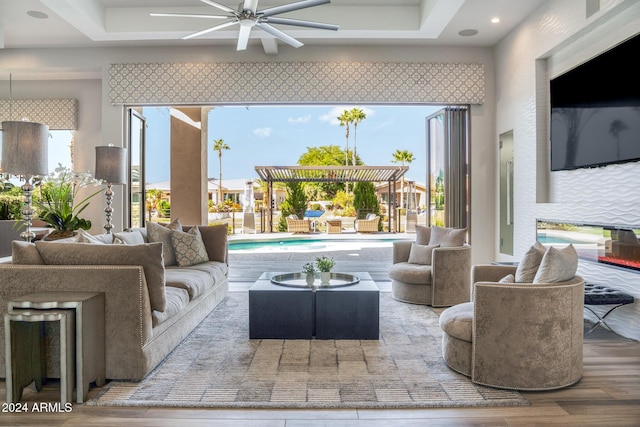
[337, 174]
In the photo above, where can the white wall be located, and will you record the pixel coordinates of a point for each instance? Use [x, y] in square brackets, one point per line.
[80, 64]
[559, 36]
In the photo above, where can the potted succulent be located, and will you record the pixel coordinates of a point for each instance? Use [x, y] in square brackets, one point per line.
[324, 264]
[310, 271]
[57, 206]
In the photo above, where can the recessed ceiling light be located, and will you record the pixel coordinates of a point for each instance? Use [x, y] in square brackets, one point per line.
[495, 20]
[468, 33]
[37, 14]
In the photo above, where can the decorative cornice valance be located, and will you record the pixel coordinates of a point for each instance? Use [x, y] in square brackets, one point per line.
[56, 113]
[296, 82]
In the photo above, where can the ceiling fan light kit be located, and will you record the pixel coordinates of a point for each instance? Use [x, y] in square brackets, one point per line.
[248, 16]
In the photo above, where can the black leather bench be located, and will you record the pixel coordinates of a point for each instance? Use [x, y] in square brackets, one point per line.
[595, 294]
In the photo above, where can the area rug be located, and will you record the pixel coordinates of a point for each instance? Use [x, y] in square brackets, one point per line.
[218, 366]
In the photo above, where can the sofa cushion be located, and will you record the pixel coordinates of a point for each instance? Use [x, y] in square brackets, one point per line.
[509, 278]
[447, 237]
[216, 270]
[557, 265]
[83, 236]
[193, 281]
[177, 300]
[25, 253]
[149, 256]
[457, 321]
[188, 247]
[423, 234]
[421, 254]
[215, 241]
[416, 274]
[162, 234]
[129, 237]
[528, 266]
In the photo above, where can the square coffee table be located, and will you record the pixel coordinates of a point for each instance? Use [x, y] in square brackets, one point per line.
[283, 312]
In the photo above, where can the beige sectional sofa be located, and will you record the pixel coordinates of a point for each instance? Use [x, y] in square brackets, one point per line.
[150, 307]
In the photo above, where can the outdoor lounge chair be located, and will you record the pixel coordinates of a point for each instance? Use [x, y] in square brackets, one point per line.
[367, 225]
[295, 225]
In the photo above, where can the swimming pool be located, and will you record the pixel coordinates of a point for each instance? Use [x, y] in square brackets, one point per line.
[306, 245]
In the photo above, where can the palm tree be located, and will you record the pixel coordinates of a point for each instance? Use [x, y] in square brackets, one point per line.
[357, 115]
[219, 145]
[345, 119]
[403, 157]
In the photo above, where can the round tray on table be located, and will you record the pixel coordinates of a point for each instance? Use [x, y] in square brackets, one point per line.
[298, 280]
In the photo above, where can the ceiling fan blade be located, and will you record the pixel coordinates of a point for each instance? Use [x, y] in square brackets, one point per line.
[291, 7]
[191, 15]
[210, 29]
[299, 23]
[251, 5]
[243, 37]
[279, 34]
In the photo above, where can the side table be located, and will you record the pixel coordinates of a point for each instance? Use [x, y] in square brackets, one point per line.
[24, 357]
[89, 331]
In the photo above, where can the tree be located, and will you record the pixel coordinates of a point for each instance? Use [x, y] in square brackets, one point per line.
[402, 156]
[219, 145]
[365, 200]
[357, 115]
[326, 155]
[295, 203]
[345, 119]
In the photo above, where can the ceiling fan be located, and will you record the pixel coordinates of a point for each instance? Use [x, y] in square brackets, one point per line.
[248, 16]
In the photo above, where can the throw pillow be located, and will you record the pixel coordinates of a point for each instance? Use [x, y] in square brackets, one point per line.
[129, 237]
[421, 254]
[162, 234]
[100, 239]
[527, 268]
[447, 237]
[215, 240]
[423, 234]
[509, 278]
[557, 265]
[149, 256]
[189, 247]
[25, 253]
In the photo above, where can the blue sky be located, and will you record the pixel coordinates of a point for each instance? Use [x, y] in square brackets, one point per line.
[278, 136]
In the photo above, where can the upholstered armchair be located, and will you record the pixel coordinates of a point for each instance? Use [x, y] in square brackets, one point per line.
[435, 270]
[295, 225]
[367, 225]
[521, 336]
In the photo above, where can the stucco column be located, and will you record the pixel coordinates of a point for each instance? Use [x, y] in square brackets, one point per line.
[189, 165]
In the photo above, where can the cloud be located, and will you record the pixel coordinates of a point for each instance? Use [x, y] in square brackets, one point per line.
[262, 132]
[331, 117]
[296, 120]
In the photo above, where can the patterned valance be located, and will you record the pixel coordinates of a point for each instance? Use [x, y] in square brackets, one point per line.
[296, 82]
[58, 114]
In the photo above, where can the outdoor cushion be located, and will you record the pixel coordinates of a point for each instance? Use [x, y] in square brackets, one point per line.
[557, 265]
[447, 237]
[527, 268]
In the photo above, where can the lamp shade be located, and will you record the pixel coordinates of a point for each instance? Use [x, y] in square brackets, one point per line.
[111, 164]
[25, 148]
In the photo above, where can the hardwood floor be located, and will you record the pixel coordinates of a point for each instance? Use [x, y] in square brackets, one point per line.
[608, 394]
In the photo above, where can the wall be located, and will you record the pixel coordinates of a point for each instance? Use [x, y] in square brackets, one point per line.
[555, 39]
[83, 63]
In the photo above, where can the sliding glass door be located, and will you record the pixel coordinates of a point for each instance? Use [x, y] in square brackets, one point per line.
[137, 126]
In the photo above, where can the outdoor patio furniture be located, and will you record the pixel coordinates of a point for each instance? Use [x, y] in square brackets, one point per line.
[295, 225]
[367, 225]
[334, 226]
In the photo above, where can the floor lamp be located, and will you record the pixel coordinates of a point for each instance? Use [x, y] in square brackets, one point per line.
[111, 168]
[25, 153]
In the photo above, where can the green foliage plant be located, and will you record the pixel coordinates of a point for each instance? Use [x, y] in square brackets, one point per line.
[294, 204]
[57, 205]
[324, 263]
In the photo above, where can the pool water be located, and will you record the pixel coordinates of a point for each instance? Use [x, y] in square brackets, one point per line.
[305, 245]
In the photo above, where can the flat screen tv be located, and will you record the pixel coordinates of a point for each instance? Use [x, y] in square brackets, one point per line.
[595, 111]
